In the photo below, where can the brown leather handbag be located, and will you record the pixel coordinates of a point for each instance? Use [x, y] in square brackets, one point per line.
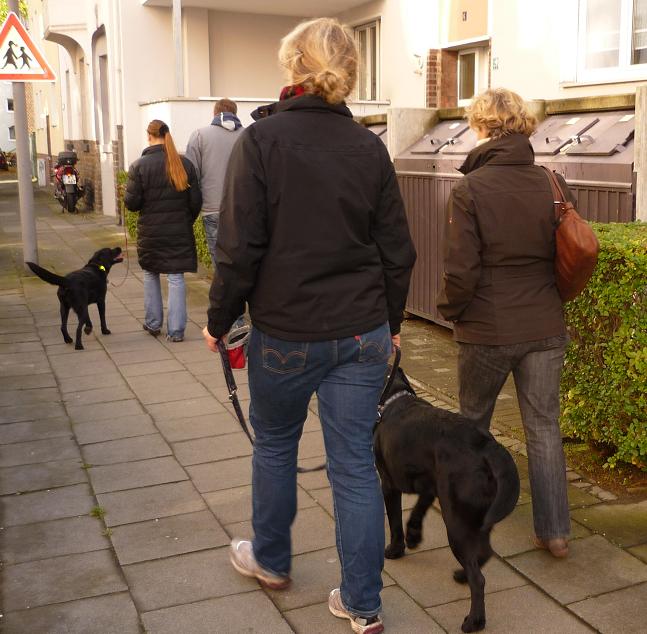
[577, 246]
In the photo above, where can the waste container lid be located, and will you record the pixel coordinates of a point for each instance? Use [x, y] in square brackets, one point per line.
[440, 136]
[613, 131]
[559, 130]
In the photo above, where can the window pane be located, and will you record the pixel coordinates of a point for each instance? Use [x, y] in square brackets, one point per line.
[602, 33]
[639, 41]
[373, 77]
[12, 133]
[466, 75]
[10, 105]
[362, 76]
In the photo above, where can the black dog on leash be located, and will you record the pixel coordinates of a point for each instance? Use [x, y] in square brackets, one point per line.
[429, 451]
[78, 289]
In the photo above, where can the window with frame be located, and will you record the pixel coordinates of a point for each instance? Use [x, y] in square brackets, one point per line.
[12, 133]
[467, 75]
[612, 43]
[367, 37]
[9, 104]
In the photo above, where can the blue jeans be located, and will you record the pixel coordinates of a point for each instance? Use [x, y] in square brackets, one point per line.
[536, 367]
[153, 307]
[348, 377]
[210, 223]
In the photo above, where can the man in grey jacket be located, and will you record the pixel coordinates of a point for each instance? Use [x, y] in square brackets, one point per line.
[209, 149]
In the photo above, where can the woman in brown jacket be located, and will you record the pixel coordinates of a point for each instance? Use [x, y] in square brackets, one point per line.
[499, 290]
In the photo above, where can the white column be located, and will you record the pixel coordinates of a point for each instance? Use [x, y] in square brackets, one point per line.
[640, 153]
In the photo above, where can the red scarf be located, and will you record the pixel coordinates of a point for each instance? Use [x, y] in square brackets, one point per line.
[287, 92]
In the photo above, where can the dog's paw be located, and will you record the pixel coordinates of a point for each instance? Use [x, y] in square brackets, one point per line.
[79, 346]
[87, 330]
[68, 339]
[471, 624]
[394, 551]
[413, 537]
[460, 576]
[105, 331]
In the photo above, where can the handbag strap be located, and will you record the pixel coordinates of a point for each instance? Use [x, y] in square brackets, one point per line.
[558, 194]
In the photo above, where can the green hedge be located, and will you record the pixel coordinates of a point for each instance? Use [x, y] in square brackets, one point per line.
[604, 384]
[130, 218]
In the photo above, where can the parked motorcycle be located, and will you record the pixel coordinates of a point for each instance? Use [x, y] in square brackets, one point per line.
[67, 188]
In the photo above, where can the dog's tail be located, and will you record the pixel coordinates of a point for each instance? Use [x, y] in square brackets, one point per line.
[46, 275]
[507, 481]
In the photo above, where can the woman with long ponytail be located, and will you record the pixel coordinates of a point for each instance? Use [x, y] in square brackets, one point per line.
[164, 189]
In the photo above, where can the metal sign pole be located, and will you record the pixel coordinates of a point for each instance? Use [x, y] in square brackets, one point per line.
[23, 166]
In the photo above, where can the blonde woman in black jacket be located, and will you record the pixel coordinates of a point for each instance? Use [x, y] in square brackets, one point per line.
[164, 189]
[314, 236]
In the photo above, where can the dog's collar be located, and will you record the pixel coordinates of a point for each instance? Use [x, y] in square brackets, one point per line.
[99, 266]
[392, 398]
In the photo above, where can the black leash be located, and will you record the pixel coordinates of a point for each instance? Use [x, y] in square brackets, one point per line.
[233, 397]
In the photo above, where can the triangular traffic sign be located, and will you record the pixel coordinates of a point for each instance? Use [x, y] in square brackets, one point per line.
[20, 58]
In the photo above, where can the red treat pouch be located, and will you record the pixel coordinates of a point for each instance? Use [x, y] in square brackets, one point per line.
[237, 357]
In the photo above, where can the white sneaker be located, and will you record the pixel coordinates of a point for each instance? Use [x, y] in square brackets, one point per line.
[242, 559]
[360, 624]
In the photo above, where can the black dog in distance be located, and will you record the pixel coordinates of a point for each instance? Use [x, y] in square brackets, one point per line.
[433, 453]
[79, 289]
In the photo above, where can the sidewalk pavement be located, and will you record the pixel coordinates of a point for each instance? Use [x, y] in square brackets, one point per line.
[124, 475]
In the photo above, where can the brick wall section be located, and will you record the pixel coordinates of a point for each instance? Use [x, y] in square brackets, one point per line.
[448, 79]
[433, 78]
[89, 169]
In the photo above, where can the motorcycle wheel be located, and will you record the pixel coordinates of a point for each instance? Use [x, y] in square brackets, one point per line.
[70, 203]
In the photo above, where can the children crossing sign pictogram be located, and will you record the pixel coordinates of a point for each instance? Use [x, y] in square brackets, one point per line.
[20, 58]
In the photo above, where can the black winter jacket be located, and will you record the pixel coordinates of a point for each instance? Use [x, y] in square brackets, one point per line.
[313, 232]
[165, 241]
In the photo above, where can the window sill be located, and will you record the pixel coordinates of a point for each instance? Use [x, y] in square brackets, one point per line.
[369, 102]
[624, 78]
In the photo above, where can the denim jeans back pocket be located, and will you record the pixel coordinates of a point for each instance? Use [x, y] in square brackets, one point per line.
[284, 357]
[375, 346]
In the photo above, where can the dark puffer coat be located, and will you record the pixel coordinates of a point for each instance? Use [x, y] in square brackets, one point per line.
[165, 241]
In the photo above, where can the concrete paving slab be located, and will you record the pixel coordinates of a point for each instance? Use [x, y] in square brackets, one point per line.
[136, 474]
[515, 533]
[427, 576]
[151, 367]
[167, 536]
[226, 446]
[149, 503]
[26, 382]
[235, 505]
[619, 611]
[20, 347]
[188, 408]
[19, 363]
[68, 501]
[29, 397]
[640, 552]
[126, 450]
[158, 353]
[153, 394]
[35, 430]
[44, 475]
[578, 577]
[622, 524]
[314, 575]
[59, 579]
[91, 382]
[185, 579]
[104, 411]
[39, 411]
[119, 427]
[313, 529]
[52, 539]
[524, 609]
[315, 479]
[198, 426]
[160, 381]
[28, 336]
[311, 445]
[107, 614]
[22, 453]
[247, 612]
[83, 363]
[98, 395]
[224, 474]
[90, 343]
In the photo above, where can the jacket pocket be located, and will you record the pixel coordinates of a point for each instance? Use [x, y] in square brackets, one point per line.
[284, 357]
[375, 345]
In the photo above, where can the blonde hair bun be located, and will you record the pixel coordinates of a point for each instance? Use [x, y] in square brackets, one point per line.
[321, 56]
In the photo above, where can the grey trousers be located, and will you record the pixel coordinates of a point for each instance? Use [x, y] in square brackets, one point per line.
[536, 367]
